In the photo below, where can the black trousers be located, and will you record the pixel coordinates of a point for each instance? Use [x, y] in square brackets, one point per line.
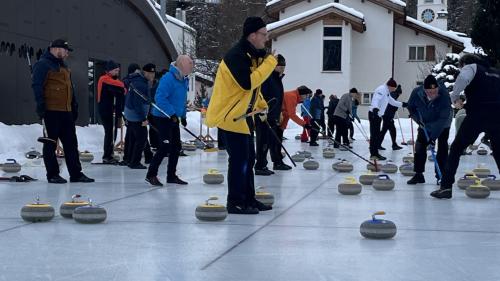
[109, 135]
[375, 121]
[138, 135]
[169, 138]
[471, 127]
[220, 140]
[267, 142]
[240, 177]
[342, 130]
[388, 125]
[153, 135]
[315, 129]
[331, 126]
[421, 151]
[60, 125]
[129, 145]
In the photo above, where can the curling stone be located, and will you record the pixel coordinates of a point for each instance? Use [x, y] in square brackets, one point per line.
[198, 144]
[33, 154]
[367, 179]
[481, 171]
[377, 228]
[466, 181]
[67, 208]
[311, 165]
[408, 158]
[349, 187]
[429, 158]
[264, 197]
[86, 156]
[328, 153]
[11, 166]
[383, 183]
[407, 169]
[492, 183]
[482, 151]
[37, 212]
[213, 177]
[371, 167]
[188, 146]
[90, 214]
[477, 191]
[342, 166]
[210, 211]
[297, 137]
[305, 153]
[298, 158]
[389, 167]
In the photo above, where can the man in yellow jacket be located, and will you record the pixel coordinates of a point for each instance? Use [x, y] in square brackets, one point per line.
[237, 93]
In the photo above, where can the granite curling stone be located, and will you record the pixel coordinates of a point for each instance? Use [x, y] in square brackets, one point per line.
[343, 166]
[86, 156]
[367, 179]
[264, 197]
[481, 171]
[311, 165]
[349, 187]
[210, 211]
[90, 214]
[11, 166]
[407, 169]
[298, 157]
[328, 153]
[492, 183]
[383, 183]
[377, 228]
[477, 191]
[305, 153]
[389, 167]
[37, 212]
[466, 181]
[66, 209]
[213, 177]
[188, 146]
[408, 158]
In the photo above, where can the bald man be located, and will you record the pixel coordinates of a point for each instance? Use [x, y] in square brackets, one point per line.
[170, 97]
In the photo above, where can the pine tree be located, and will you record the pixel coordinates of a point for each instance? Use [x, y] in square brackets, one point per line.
[447, 70]
[486, 29]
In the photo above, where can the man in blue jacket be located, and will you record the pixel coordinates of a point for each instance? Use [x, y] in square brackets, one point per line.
[430, 107]
[136, 112]
[171, 97]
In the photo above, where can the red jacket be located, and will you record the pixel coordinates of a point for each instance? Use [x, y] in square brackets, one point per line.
[289, 108]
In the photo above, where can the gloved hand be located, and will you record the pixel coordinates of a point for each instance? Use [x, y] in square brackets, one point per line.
[174, 118]
[405, 104]
[184, 122]
[262, 116]
[307, 126]
[40, 111]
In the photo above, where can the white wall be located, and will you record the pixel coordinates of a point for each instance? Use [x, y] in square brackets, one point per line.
[303, 51]
[407, 73]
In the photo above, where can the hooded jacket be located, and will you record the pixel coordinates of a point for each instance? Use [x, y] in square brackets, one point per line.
[171, 95]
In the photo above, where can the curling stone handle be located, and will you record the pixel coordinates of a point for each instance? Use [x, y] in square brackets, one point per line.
[492, 177]
[379, 213]
[211, 198]
[383, 177]
[11, 161]
[213, 171]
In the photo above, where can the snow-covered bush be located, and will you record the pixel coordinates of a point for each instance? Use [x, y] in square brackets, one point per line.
[447, 70]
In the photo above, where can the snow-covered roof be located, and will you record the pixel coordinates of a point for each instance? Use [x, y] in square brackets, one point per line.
[452, 36]
[469, 47]
[316, 10]
[173, 19]
[274, 2]
[204, 76]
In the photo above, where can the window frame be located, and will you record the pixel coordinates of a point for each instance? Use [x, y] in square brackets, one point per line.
[331, 38]
[416, 53]
[370, 97]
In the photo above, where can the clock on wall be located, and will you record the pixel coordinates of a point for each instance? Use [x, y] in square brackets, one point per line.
[428, 15]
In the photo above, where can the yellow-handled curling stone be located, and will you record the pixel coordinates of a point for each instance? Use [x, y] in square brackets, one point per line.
[211, 212]
[264, 197]
[377, 228]
[37, 212]
[477, 191]
[466, 181]
[349, 187]
[66, 209]
[213, 177]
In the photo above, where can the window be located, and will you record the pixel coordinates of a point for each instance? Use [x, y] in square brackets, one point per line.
[332, 48]
[422, 53]
[367, 98]
[429, 1]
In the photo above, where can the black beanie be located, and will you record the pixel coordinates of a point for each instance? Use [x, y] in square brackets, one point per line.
[149, 67]
[251, 25]
[110, 65]
[303, 90]
[430, 82]
[132, 68]
[281, 60]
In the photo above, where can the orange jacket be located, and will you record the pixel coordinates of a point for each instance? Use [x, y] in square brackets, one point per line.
[289, 108]
[107, 79]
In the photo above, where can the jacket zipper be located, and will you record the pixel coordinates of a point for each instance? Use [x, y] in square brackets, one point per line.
[231, 109]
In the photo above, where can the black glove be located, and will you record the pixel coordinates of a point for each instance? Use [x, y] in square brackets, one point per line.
[40, 111]
[405, 104]
[184, 122]
[174, 118]
[375, 111]
[307, 126]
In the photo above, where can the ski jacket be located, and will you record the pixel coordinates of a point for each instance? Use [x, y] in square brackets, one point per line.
[52, 85]
[110, 95]
[332, 104]
[136, 108]
[307, 105]
[344, 107]
[317, 107]
[436, 115]
[381, 98]
[240, 76]
[272, 91]
[171, 95]
[289, 111]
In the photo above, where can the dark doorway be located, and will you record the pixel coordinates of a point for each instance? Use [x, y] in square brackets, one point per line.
[96, 68]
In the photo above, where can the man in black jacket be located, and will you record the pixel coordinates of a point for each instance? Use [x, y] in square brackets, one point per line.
[272, 91]
[388, 121]
[332, 104]
[58, 109]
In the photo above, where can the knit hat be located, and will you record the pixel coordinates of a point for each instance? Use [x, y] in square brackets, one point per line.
[430, 82]
[281, 60]
[303, 90]
[392, 83]
[251, 25]
[110, 65]
[149, 67]
[61, 43]
[132, 68]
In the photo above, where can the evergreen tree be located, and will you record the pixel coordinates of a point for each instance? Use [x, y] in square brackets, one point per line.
[447, 70]
[486, 29]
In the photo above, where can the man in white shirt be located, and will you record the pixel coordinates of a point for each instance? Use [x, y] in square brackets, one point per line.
[381, 98]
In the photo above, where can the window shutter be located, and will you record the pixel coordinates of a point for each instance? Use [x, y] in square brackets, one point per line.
[430, 53]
